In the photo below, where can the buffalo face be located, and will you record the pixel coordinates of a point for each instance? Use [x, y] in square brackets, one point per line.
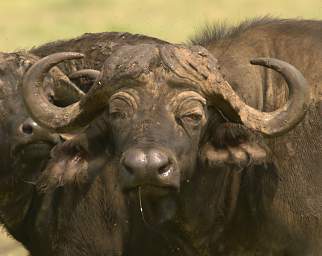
[156, 127]
[23, 143]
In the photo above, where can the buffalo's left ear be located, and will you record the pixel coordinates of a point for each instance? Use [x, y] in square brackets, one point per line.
[68, 165]
[234, 145]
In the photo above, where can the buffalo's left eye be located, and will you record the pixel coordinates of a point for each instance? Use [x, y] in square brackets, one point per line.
[121, 106]
[120, 109]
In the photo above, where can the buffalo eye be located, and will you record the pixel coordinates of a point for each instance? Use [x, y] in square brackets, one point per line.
[192, 119]
[117, 115]
[121, 106]
[191, 113]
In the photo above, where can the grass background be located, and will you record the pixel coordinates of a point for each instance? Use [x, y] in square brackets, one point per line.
[27, 23]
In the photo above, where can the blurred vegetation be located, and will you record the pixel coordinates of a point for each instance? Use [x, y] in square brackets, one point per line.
[28, 23]
[9, 247]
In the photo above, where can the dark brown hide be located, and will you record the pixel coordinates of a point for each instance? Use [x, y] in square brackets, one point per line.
[24, 145]
[290, 220]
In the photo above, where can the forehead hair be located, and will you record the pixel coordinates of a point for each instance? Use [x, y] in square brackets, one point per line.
[174, 63]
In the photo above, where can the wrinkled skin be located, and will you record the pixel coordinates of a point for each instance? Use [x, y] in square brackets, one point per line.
[239, 193]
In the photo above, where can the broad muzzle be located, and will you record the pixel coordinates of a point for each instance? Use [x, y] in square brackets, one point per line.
[149, 166]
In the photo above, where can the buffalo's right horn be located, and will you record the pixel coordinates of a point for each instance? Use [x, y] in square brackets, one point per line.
[59, 119]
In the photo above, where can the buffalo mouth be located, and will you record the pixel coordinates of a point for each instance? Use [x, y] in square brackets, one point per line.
[32, 149]
[154, 205]
[151, 191]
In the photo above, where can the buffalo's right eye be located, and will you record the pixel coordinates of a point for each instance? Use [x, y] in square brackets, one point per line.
[121, 106]
[118, 115]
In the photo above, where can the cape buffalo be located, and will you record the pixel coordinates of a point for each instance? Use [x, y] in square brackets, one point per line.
[184, 149]
[24, 146]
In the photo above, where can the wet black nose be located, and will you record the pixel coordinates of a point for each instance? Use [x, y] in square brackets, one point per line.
[149, 166]
[138, 162]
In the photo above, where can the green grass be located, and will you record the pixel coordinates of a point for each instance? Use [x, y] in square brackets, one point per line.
[26, 23]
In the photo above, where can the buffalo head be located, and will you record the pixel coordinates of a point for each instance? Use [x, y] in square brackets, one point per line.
[153, 105]
[23, 143]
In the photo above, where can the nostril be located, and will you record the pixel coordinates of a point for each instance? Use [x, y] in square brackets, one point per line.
[134, 162]
[27, 128]
[129, 170]
[61, 138]
[166, 168]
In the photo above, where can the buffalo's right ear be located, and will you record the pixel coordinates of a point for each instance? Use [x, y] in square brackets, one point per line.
[84, 78]
[234, 145]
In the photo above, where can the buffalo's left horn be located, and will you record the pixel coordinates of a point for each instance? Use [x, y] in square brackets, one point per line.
[281, 120]
[59, 119]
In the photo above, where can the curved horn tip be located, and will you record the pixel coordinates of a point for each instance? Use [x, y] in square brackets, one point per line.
[79, 55]
[53, 59]
[74, 54]
[273, 63]
[265, 61]
[91, 73]
[62, 56]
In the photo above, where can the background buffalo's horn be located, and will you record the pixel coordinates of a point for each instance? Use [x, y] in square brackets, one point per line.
[64, 119]
[64, 89]
[90, 73]
[281, 120]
